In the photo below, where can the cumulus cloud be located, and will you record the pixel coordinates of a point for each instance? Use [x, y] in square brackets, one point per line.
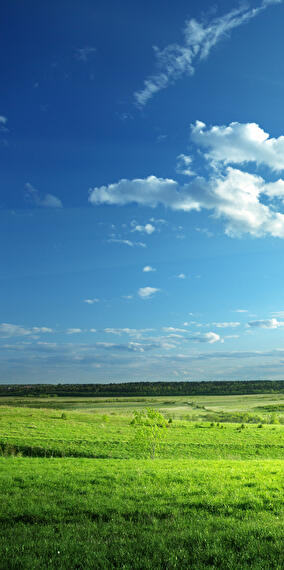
[148, 269]
[148, 229]
[209, 337]
[150, 191]
[176, 60]
[266, 324]
[181, 276]
[240, 199]
[42, 201]
[147, 292]
[74, 331]
[91, 301]
[240, 143]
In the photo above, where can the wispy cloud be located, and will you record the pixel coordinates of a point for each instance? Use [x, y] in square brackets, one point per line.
[173, 329]
[226, 325]
[39, 200]
[148, 269]
[176, 60]
[3, 122]
[85, 54]
[184, 165]
[91, 301]
[127, 331]
[74, 331]
[8, 330]
[127, 242]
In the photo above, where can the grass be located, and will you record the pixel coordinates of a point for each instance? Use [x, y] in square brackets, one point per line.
[76, 493]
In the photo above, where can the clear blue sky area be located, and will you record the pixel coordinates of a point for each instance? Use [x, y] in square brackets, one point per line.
[142, 190]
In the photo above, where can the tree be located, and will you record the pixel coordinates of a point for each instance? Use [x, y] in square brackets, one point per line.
[150, 429]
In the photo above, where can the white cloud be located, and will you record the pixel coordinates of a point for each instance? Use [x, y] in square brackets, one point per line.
[240, 143]
[91, 301]
[41, 330]
[209, 337]
[131, 332]
[127, 296]
[176, 60]
[232, 194]
[266, 324]
[127, 242]
[238, 198]
[278, 314]
[149, 191]
[148, 269]
[148, 229]
[147, 292]
[42, 201]
[85, 54]
[241, 311]
[173, 329]
[181, 276]
[184, 165]
[3, 120]
[226, 325]
[9, 330]
[74, 331]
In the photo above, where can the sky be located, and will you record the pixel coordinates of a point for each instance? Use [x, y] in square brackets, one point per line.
[142, 191]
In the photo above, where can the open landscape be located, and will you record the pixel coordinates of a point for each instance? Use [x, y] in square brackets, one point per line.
[79, 490]
[141, 306]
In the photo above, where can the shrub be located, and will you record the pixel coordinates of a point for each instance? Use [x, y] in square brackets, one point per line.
[150, 430]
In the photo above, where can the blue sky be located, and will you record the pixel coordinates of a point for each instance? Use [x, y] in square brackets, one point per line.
[142, 190]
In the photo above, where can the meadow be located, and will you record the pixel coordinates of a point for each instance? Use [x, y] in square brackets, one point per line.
[77, 491]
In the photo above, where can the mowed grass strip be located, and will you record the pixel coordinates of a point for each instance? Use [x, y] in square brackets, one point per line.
[45, 433]
[134, 514]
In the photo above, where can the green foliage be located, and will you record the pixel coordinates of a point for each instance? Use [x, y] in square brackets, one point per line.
[63, 416]
[150, 427]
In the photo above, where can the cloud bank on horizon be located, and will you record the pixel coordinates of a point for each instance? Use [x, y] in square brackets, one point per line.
[176, 60]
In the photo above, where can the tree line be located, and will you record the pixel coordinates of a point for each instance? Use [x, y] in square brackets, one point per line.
[140, 389]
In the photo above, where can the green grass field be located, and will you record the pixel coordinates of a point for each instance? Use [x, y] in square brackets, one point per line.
[77, 492]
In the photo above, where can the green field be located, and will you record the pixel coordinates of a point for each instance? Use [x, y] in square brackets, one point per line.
[78, 492]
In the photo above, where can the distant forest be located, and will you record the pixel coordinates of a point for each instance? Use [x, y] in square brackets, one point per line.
[218, 388]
